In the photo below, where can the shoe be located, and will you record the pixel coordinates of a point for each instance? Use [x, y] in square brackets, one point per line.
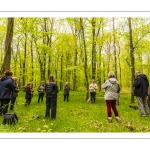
[110, 120]
[118, 119]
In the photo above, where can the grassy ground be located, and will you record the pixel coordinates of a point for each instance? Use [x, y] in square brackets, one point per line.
[76, 116]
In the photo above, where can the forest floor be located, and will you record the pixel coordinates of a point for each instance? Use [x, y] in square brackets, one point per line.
[76, 116]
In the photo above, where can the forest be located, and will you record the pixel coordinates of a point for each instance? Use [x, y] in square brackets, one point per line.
[76, 50]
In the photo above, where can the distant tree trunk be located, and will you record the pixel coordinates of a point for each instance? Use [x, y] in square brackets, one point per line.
[115, 54]
[61, 73]
[32, 72]
[108, 55]
[131, 58]
[85, 59]
[120, 71]
[99, 69]
[75, 30]
[75, 59]
[49, 42]
[93, 48]
[24, 61]
[75, 64]
[100, 44]
[15, 57]
[8, 41]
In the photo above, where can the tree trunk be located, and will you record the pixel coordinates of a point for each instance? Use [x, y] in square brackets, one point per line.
[115, 54]
[131, 59]
[93, 48]
[75, 58]
[120, 70]
[8, 41]
[85, 59]
[32, 72]
[24, 61]
[61, 73]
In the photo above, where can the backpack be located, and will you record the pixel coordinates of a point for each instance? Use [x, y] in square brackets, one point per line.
[10, 118]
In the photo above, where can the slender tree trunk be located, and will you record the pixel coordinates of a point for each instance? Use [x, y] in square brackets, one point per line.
[120, 71]
[24, 61]
[61, 73]
[85, 59]
[108, 56]
[75, 58]
[99, 70]
[115, 54]
[8, 41]
[93, 48]
[15, 59]
[100, 44]
[32, 72]
[74, 71]
[49, 38]
[131, 59]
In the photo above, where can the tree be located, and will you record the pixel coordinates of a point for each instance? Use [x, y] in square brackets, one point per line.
[131, 58]
[8, 49]
[85, 58]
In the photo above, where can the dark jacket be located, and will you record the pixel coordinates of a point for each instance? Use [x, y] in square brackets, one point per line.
[29, 93]
[51, 89]
[66, 89]
[6, 87]
[141, 85]
[15, 91]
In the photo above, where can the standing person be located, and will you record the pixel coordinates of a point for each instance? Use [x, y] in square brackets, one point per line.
[111, 95]
[51, 89]
[66, 91]
[141, 85]
[29, 94]
[41, 90]
[6, 87]
[14, 93]
[93, 87]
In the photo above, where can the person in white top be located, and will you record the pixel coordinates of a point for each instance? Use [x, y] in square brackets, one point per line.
[93, 87]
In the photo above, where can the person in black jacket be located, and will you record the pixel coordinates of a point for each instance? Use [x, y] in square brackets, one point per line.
[29, 94]
[51, 90]
[141, 85]
[6, 87]
[14, 93]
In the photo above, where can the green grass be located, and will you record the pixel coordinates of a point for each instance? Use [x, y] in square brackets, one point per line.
[76, 116]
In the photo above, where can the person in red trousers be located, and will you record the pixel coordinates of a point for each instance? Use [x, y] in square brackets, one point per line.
[111, 87]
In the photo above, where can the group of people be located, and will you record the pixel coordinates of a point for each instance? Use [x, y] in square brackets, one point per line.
[9, 91]
[112, 93]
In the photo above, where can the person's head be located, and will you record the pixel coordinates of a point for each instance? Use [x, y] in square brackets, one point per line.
[8, 73]
[42, 82]
[51, 78]
[15, 79]
[111, 74]
[137, 73]
[29, 84]
[67, 83]
[93, 81]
